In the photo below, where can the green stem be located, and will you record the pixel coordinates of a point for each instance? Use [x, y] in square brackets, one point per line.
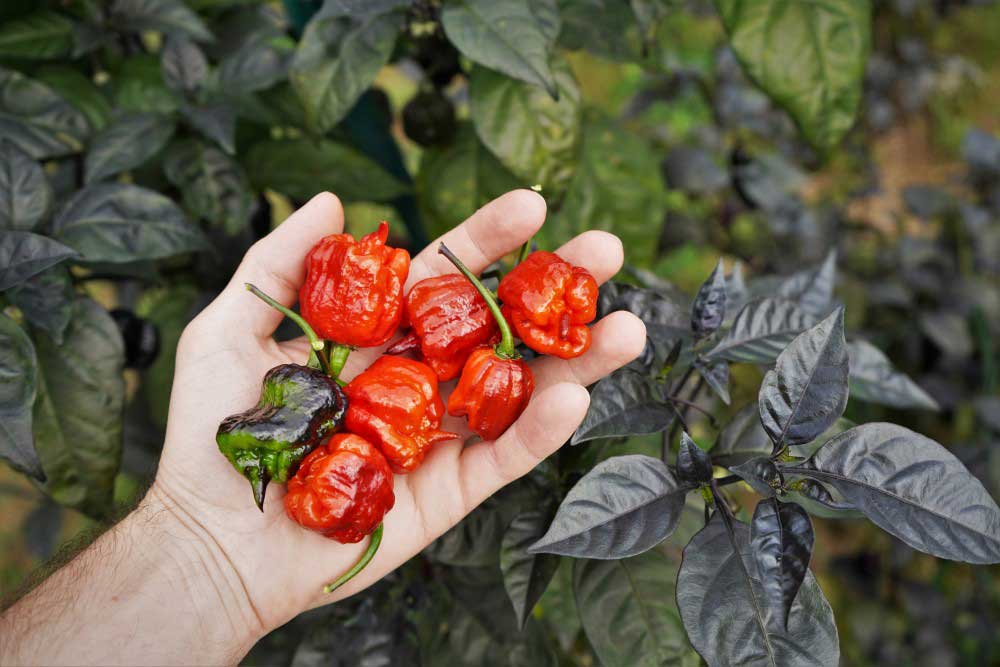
[373, 545]
[525, 251]
[505, 348]
[338, 357]
[315, 342]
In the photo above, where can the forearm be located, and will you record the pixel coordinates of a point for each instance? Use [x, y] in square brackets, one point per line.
[155, 589]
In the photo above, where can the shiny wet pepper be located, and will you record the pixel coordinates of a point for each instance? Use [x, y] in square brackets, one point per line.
[549, 302]
[353, 291]
[342, 489]
[448, 319]
[298, 406]
[496, 383]
[395, 404]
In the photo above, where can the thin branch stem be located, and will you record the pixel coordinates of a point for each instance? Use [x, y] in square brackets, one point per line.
[505, 348]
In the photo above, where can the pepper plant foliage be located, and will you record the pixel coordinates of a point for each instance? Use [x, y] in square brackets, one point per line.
[146, 144]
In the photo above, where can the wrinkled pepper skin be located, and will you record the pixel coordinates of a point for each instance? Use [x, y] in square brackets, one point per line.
[298, 406]
[395, 404]
[448, 320]
[549, 302]
[342, 489]
[491, 393]
[353, 291]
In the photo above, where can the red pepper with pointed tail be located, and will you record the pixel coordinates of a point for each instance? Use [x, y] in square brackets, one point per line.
[550, 302]
[395, 404]
[353, 292]
[496, 383]
[448, 319]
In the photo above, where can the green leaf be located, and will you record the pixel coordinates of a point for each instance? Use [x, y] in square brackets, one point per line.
[628, 611]
[139, 86]
[455, 180]
[212, 184]
[23, 254]
[616, 35]
[342, 50]
[216, 123]
[535, 136]
[128, 142]
[25, 192]
[119, 223]
[81, 92]
[171, 17]
[40, 36]
[18, 382]
[514, 37]
[809, 57]
[46, 300]
[78, 412]
[170, 309]
[185, 67]
[526, 575]
[300, 168]
[38, 120]
[617, 187]
[256, 65]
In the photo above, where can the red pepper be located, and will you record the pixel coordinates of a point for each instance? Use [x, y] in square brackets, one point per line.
[448, 320]
[549, 302]
[395, 404]
[496, 383]
[342, 489]
[492, 392]
[353, 292]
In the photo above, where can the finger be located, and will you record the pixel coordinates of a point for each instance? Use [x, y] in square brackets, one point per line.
[599, 252]
[276, 264]
[615, 340]
[493, 231]
[548, 422]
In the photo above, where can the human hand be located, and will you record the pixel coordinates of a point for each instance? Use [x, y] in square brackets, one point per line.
[268, 562]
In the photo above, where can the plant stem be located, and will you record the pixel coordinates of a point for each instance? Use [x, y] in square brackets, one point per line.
[315, 342]
[338, 357]
[525, 251]
[366, 557]
[727, 480]
[505, 348]
[694, 406]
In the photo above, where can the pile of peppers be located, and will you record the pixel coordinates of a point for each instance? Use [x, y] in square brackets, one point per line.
[338, 445]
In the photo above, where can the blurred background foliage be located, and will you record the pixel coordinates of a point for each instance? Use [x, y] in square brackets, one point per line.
[656, 135]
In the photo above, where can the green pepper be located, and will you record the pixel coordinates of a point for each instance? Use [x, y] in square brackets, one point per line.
[298, 407]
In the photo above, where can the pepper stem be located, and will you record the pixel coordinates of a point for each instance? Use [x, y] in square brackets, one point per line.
[505, 348]
[338, 357]
[373, 545]
[315, 342]
[525, 251]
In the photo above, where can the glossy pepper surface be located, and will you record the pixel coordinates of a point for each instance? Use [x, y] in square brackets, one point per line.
[353, 291]
[492, 392]
[549, 302]
[448, 320]
[342, 489]
[395, 404]
[298, 406]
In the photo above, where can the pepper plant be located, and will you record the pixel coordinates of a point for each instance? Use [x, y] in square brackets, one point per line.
[146, 144]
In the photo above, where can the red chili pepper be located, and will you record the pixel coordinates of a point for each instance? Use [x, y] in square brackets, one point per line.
[353, 292]
[496, 383]
[492, 392]
[342, 489]
[448, 319]
[395, 404]
[549, 302]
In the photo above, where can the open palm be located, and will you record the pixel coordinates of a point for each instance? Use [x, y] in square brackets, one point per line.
[225, 352]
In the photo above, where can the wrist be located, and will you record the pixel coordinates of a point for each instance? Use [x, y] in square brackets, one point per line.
[209, 588]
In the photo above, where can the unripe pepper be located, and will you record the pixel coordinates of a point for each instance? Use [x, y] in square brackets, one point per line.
[395, 404]
[298, 406]
[549, 302]
[353, 292]
[342, 489]
[448, 319]
[496, 383]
